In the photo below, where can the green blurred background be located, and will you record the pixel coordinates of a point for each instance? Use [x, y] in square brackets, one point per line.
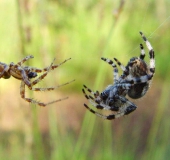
[84, 31]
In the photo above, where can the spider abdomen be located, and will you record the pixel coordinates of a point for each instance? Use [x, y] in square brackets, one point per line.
[138, 90]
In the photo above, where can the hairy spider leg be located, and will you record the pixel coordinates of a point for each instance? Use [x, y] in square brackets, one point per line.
[151, 54]
[92, 100]
[108, 117]
[115, 70]
[96, 94]
[124, 84]
[97, 101]
[24, 77]
[52, 88]
[30, 100]
[127, 108]
[124, 69]
[24, 60]
[138, 80]
[120, 64]
[142, 52]
[42, 76]
[33, 69]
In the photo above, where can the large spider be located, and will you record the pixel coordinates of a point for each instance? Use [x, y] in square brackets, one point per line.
[26, 73]
[134, 82]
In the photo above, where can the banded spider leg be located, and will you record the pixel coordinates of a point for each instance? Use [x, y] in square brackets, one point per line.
[31, 84]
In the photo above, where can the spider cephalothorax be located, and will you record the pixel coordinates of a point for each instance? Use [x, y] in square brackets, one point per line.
[26, 73]
[134, 82]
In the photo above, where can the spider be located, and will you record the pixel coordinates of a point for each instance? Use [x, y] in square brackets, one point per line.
[26, 73]
[134, 82]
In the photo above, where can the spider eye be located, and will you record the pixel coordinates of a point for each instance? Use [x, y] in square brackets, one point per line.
[32, 75]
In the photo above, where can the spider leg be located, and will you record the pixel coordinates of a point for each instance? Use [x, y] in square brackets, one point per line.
[42, 76]
[142, 52]
[108, 117]
[33, 69]
[51, 88]
[151, 53]
[125, 84]
[96, 94]
[124, 69]
[24, 76]
[115, 70]
[24, 60]
[120, 64]
[87, 97]
[30, 100]
[137, 80]
[92, 100]
[96, 101]
[127, 108]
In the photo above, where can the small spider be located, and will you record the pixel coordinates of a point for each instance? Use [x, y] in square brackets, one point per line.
[26, 73]
[134, 82]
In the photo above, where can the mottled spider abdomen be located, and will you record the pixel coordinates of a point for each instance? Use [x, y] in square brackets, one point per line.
[138, 90]
[137, 68]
